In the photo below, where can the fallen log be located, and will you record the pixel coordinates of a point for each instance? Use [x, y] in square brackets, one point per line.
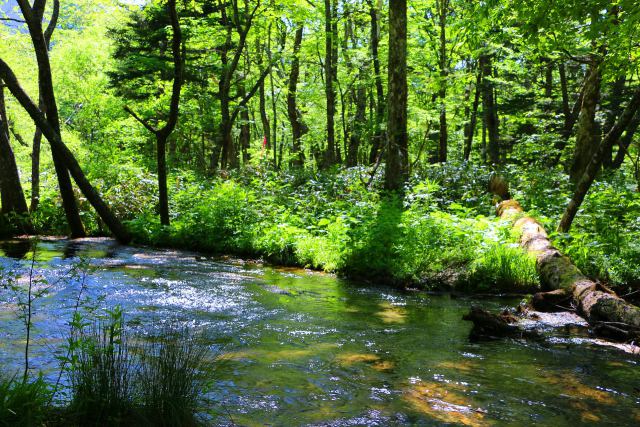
[607, 313]
[489, 325]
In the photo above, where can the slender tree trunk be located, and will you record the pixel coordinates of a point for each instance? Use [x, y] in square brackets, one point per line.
[334, 70]
[241, 22]
[443, 8]
[274, 106]
[224, 88]
[397, 165]
[566, 111]
[625, 141]
[484, 137]
[37, 136]
[586, 138]
[245, 135]
[592, 168]
[163, 134]
[570, 114]
[489, 110]
[378, 138]
[163, 193]
[359, 122]
[33, 18]
[264, 118]
[548, 79]
[330, 90]
[35, 166]
[613, 111]
[11, 194]
[295, 118]
[474, 116]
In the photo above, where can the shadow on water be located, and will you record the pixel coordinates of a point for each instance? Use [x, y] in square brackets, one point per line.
[16, 249]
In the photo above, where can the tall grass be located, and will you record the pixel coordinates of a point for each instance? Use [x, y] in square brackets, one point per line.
[23, 403]
[170, 378]
[504, 268]
[155, 383]
[102, 375]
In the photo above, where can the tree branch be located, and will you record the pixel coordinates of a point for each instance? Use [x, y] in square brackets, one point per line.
[20, 21]
[52, 23]
[250, 94]
[142, 121]
[178, 65]
[16, 135]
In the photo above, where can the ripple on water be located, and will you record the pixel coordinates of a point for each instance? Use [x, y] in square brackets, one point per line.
[308, 349]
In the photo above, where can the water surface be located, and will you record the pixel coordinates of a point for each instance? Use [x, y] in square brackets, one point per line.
[294, 347]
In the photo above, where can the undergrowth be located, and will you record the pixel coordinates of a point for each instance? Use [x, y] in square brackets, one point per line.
[332, 221]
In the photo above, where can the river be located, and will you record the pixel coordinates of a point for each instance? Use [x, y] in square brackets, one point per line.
[295, 347]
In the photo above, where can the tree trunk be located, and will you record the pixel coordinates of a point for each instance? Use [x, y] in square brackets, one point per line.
[274, 105]
[613, 111]
[548, 79]
[570, 114]
[359, 124]
[592, 168]
[474, 117]
[64, 154]
[334, 70]
[330, 90]
[37, 136]
[489, 110]
[586, 138]
[33, 18]
[11, 194]
[443, 7]
[35, 166]
[163, 193]
[224, 88]
[378, 135]
[264, 118]
[566, 111]
[295, 118]
[245, 135]
[397, 165]
[162, 134]
[625, 141]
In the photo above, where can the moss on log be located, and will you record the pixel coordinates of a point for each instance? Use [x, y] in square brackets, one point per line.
[562, 279]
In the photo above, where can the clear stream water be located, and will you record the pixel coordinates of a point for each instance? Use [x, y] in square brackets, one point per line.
[294, 347]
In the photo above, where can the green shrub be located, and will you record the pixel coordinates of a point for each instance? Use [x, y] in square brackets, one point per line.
[503, 268]
[23, 403]
[277, 243]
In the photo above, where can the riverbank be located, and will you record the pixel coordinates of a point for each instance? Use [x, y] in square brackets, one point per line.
[442, 234]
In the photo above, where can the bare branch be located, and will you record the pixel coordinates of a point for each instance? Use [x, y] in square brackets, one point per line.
[16, 135]
[142, 121]
[52, 22]
[20, 21]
